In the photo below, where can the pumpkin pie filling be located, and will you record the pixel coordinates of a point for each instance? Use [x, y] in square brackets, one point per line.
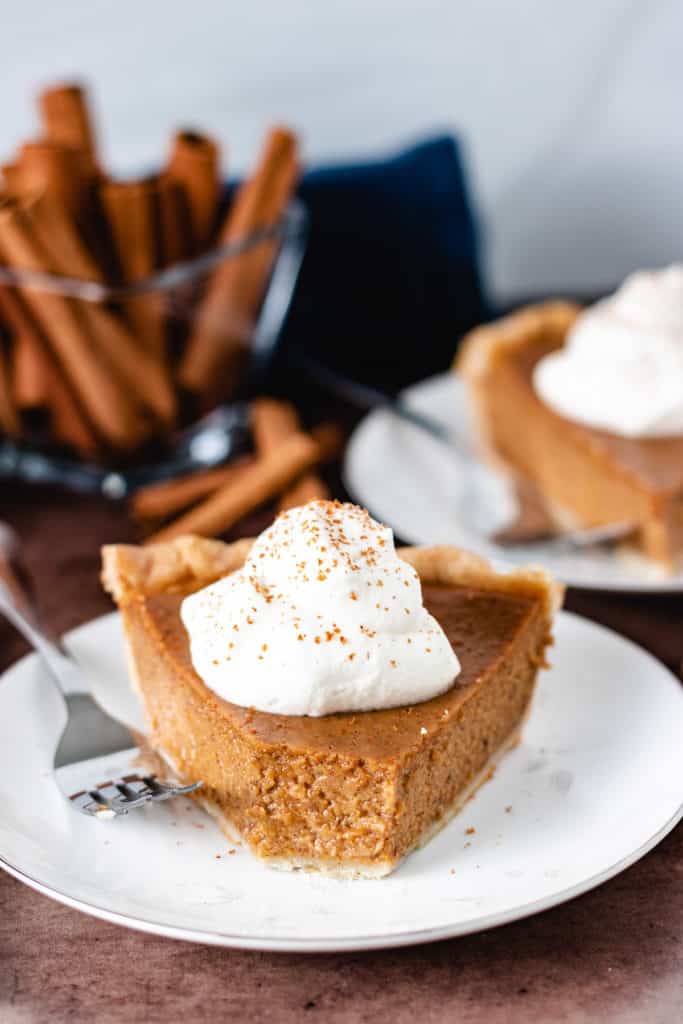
[346, 793]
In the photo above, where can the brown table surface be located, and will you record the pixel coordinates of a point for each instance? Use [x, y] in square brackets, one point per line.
[615, 954]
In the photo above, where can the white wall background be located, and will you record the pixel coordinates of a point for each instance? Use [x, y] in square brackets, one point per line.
[571, 110]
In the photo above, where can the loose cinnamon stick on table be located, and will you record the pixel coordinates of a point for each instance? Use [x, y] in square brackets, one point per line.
[217, 350]
[66, 118]
[261, 481]
[133, 219]
[160, 500]
[308, 488]
[330, 438]
[163, 499]
[110, 407]
[194, 164]
[148, 379]
[272, 422]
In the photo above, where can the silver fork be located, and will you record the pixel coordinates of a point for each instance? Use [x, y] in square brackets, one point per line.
[93, 745]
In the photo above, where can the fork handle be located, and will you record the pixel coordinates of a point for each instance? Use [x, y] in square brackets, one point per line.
[18, 606]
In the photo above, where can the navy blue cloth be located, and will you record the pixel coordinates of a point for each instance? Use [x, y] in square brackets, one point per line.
[391, 278]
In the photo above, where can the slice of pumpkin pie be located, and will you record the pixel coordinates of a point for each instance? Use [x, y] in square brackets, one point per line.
[587, 406]
[338, 699]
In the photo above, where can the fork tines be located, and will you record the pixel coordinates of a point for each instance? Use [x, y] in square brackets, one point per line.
[118, 796]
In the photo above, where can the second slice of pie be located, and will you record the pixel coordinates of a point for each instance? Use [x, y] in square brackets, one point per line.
[609, 447]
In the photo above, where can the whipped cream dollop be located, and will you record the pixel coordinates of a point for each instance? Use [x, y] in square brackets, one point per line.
[324, 616]
[621, 368]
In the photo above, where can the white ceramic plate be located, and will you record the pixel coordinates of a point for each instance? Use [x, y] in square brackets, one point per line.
[412, 482]
[595, 783]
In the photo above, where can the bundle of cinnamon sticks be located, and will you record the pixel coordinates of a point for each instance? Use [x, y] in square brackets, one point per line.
[105, 377]
[283, 467]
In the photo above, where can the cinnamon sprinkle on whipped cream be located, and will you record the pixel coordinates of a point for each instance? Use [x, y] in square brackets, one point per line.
[323, 617]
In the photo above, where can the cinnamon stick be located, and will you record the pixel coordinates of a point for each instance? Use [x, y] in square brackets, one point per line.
[194, 165]
[51, 220]
[272, 422]
[216, 353]
[11, 177]
[56, 170]
[66, 118]
[69, 423]
[29, 371]
[64, 174]
[309, 487]
[261, 481]
[147, 378]
[330, 439]
[9, 421]
[111, 408]
[37, 381]
[133, 221]
[30, 378]
[163, 499]
[175, 229]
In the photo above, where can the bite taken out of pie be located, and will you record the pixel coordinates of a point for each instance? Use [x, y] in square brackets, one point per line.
[587, 405]
[435, 661]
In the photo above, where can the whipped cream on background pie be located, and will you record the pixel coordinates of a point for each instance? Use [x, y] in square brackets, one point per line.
[621, 367]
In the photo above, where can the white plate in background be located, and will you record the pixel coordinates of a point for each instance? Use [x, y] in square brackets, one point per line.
[410, 480]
